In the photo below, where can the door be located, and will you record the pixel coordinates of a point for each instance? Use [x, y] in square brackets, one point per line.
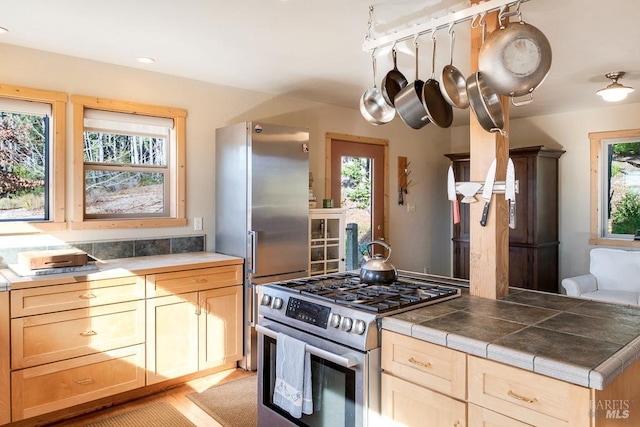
[172, 337]
[220, 326]
[370, 155]
[279, 194]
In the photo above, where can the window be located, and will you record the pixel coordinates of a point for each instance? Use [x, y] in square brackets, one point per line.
[615, 187]
[32, 138]
[132, 168]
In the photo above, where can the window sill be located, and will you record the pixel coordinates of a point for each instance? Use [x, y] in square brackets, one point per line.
[9, 228]
[114, 224]
[628, 243]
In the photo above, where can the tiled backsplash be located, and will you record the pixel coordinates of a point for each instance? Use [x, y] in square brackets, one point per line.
[104, 250]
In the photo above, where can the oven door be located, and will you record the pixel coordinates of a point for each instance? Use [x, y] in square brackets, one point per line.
[345, 390]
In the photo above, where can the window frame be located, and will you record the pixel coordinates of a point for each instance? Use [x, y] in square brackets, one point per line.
[177, 165]
[57, 200]
[598, 174]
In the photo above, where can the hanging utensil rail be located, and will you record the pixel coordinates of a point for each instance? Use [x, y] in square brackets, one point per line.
[437, 23]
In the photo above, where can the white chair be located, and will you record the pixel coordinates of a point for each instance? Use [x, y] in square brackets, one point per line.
[614, 276]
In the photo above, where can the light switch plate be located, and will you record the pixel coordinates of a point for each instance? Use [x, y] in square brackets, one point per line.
[197, 223]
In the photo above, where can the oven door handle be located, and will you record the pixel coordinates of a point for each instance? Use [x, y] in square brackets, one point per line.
[344, 360]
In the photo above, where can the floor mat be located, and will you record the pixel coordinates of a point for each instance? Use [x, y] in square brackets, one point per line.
[233, 404]
[159, 414]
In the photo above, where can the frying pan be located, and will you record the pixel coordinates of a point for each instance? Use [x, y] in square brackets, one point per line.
[454, 87]
[393, 82]
[438, 109]
[373, 107]
[515, 59]
[409, 101]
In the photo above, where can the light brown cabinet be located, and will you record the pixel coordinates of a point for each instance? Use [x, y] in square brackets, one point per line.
[66, 338]
[533, 244]
[458, 389]
[192, 331]
[74, 342]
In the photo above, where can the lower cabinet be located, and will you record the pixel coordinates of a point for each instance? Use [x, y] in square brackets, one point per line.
[408, 404]
[5, 361]
[50, 387]
[191, 332]
[483, 417]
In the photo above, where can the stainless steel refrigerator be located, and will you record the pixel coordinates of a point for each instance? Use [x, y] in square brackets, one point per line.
[262, 208]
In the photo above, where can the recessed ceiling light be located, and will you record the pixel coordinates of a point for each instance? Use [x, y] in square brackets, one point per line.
[146, 60]
[3, 30]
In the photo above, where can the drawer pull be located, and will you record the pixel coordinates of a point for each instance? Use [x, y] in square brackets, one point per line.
[419, 363]
[89, 295]
[88, 333]
[85, 381]
[522, 398]
[199, 280]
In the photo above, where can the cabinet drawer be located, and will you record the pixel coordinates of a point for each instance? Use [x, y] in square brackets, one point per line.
[407, 404]
[482, 417]
[56, 336]
[529, 397]
[433, 366]
[48, 299]
[193, 280]
[63, 384]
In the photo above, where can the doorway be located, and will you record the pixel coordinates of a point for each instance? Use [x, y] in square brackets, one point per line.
[356, 171]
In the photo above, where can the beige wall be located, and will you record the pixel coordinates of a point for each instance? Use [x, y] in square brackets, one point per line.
[420, 239]
[569, 132]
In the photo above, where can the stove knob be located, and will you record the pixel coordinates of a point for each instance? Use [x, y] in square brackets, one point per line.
[359, 327]
[334, 320]
[346, 324]
[276, 303]
[266, 299]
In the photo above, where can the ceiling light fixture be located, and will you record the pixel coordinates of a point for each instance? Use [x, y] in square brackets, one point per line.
[146, 60]
[615, 91]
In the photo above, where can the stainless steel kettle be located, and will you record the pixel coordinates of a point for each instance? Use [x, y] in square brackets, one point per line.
[377, 269]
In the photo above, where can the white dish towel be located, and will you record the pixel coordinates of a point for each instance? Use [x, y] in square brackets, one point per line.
[292, 391]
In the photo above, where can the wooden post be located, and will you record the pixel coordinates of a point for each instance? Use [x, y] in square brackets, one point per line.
[489, 245]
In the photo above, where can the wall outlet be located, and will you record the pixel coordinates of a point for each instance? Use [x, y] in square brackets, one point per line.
[197, 223]
[411, 207]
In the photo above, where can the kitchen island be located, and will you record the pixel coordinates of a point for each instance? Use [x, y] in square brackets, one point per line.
[532, 358]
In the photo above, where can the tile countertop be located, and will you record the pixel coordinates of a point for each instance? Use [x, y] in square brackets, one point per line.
[123, 267]
[576, 340]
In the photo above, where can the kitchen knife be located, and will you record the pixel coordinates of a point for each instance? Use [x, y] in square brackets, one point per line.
[510, 193]
[487, 191]
[451, 192]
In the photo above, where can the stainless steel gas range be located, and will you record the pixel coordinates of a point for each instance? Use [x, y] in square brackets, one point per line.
[338, 318]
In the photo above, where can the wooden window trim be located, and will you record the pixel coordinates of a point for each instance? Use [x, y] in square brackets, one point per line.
[177, 167]
[596, 234]
[58, 102]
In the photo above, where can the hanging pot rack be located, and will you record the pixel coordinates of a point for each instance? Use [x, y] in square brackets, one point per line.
[446, 21]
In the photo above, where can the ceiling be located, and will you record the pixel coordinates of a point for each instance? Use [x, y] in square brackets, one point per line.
[313, 49]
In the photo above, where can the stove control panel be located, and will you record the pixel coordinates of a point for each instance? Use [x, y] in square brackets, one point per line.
[308, 312]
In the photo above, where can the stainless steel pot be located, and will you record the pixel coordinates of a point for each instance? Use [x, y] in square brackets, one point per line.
[485, 103]
[515, 59]
[394, 81]
[409, 102]
[373, 106]
[377, 269]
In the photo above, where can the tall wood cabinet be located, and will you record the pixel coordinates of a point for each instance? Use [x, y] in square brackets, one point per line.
[533, 244]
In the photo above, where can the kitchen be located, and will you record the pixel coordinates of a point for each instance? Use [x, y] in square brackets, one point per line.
[211, 106]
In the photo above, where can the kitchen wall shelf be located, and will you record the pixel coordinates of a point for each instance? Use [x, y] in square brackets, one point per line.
[533, 244]
[326, 241]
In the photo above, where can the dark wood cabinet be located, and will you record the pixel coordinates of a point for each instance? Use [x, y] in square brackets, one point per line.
[533, 244]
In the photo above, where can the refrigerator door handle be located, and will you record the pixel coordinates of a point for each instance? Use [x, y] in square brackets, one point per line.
[252, 245]
[253, 305]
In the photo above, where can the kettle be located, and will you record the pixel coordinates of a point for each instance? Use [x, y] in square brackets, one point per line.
[377, 270]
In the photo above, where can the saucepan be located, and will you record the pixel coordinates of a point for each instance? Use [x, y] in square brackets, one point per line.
[515, 59]
[373, 106]
[409, 101]
[394, 81]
